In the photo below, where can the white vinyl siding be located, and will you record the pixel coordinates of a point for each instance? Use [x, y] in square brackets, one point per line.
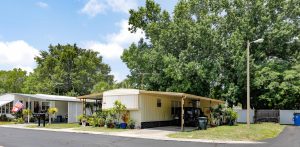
[130, 101]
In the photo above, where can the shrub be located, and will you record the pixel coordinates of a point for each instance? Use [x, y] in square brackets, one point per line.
[3, 117]
[118, 110]
[131, 124]
[18, 120]
[231, 116]
[51, 112]
[125, 117]
[26, 112]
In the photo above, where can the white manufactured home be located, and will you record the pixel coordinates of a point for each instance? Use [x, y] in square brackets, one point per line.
[154, 108]
[68, 107]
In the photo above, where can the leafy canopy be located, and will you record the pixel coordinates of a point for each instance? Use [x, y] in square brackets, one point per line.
[67, 70]
[201, 49]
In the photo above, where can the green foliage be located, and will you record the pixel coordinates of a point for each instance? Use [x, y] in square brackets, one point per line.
[52, 110]
[18, 120]
[102, 86]
[3, 117]
[230, 115]
[67, 70]
[12, 81]
[131, 123]
[26, 112]
[81, 118]
[119, 109]
[201, 49]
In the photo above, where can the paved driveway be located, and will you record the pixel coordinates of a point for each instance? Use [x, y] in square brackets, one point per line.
[12, 137]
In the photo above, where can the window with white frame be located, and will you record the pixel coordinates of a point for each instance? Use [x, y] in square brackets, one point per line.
[45, 106]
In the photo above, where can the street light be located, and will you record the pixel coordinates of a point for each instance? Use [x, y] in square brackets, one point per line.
[248, 78]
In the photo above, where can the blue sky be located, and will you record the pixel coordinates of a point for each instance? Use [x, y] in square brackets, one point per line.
[101, 25]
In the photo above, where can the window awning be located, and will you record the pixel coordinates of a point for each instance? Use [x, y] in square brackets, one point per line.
[2, 103]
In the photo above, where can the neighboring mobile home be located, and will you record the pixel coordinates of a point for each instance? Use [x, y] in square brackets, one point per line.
[68, 107]
[153, 108]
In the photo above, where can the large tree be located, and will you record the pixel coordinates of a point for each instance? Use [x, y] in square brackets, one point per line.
[201, 49]
[12, 81]
[67, 70]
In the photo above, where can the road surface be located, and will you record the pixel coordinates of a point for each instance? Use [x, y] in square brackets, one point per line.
[12, 137]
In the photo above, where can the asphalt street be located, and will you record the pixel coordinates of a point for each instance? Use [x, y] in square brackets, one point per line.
[12, 137]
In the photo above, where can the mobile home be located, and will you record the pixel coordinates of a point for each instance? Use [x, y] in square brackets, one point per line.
[153, 108]
[68, 107]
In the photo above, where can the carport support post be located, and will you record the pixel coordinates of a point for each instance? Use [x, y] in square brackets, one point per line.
[83, 107]
[182, 113]
[28, 108]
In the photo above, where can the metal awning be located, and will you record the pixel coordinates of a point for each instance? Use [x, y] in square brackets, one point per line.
[95, 96]
[5, 99]
[2, 103]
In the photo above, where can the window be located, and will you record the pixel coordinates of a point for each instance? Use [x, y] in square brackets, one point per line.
[7, 108]
[158, 103]
[3, 109]
[11, 105]
[45, 105]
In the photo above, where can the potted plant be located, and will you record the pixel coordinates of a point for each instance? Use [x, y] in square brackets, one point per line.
[125, 118]
[51, 113]
[131, 124]
[118, 110]
[109, 122]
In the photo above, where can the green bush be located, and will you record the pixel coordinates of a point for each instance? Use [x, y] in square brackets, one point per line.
[18, 121]
[230, 116]
[3, 117]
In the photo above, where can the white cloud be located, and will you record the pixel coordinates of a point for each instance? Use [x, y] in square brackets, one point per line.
[93, 7]
[115, 43]
[42, 4]
[124, 37]
[113, 48]
[17, 54]
[122, 5]
[118, 77]
[107, 50]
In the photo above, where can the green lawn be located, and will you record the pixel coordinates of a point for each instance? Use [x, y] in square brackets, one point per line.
[57, 126]
[237, 133]
[99, 129]
[6, 122]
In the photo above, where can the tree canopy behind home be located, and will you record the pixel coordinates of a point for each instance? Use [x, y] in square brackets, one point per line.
[201, 49]
[67, 70]
[12, 81]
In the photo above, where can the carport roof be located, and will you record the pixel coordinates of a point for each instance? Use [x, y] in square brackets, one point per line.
[94, 96]
[99, 96]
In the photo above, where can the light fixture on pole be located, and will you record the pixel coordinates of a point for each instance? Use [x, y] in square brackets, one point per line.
[248, 78]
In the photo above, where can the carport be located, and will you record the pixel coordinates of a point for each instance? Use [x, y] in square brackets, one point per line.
[97, 97]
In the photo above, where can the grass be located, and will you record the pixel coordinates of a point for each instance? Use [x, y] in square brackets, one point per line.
[6, 122]
[57, 126]
[239, 132]
[100, 129]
